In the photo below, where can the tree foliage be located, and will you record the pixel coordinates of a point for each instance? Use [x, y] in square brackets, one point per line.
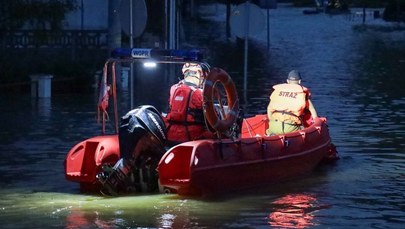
[395, 11]
[37, 14]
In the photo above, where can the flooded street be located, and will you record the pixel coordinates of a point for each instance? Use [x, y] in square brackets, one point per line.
[356, 76]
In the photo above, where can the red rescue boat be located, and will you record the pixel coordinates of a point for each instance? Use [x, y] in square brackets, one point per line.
[86, 159]
[216, 166]
[134, 157]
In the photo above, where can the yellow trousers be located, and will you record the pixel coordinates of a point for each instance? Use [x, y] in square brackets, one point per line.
[278, 127]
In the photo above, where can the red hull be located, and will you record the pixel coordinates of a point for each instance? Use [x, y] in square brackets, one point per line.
[85, 160]
[209, 166]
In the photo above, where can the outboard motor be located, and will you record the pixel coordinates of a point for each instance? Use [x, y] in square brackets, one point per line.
[142, 136]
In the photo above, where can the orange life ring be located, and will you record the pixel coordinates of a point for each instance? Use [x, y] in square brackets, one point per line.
[220, 125]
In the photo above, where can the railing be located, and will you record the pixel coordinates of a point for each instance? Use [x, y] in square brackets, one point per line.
[26, 39]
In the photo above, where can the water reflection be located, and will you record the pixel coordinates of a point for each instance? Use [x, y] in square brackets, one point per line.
[294, 211]
[166, 221]
[42, 106]
[93, 219]
[152, 211]
[79, 219]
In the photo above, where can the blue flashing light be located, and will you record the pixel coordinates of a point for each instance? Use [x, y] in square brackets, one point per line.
[190, 55]
[121, 53]
[158, 54]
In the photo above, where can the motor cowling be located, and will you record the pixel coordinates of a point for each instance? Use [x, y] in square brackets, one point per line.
[142, 137]
[143, 123]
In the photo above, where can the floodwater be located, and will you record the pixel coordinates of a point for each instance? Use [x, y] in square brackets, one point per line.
[356, 76]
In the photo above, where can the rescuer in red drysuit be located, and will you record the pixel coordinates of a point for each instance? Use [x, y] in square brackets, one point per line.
[185, 118]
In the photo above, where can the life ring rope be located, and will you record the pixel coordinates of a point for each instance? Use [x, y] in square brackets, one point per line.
[220, 125]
